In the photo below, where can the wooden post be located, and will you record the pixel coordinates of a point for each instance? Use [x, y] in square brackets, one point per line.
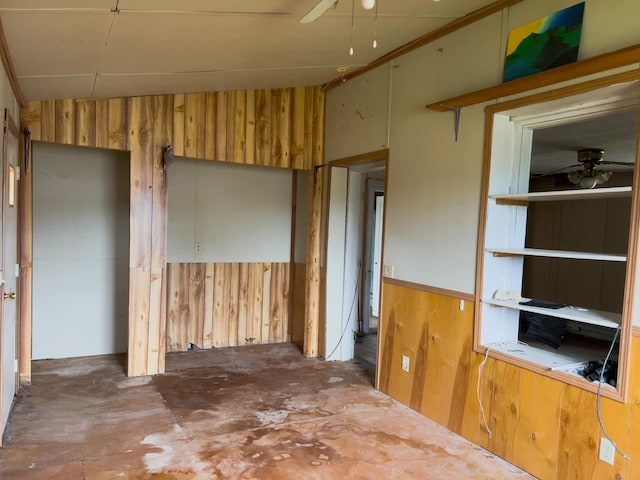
[25, 226]
[312, 290]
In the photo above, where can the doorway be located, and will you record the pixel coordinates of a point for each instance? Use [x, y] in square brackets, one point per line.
[372, 256]
[366, 346]
[355, 220]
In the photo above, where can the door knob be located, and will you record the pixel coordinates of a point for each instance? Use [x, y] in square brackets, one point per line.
[10, 296]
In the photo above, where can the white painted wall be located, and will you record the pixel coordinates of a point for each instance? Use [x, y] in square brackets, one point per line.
[80, 251]
[433, 194]
[237, 213]
[360, 119]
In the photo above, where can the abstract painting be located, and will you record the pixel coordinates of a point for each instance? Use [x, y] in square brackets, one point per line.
[545, 43]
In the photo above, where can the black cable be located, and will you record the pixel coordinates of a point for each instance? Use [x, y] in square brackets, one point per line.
[353, 302]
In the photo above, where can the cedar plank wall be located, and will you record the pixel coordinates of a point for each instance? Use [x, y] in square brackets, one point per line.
[278, 128]
[254, 308]
[532, 417]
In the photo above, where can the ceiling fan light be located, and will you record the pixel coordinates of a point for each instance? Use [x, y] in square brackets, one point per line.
[368, 4]
[588, 182]
[603, 176]
[575, 176]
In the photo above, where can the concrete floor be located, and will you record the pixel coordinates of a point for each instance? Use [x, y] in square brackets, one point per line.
[365, 351]
[260, 412]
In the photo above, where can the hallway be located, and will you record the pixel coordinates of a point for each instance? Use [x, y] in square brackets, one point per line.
[261, 412]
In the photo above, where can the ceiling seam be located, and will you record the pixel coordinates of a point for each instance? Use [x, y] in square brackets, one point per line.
[115, 10]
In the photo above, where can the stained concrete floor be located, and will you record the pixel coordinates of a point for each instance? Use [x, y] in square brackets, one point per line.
[261, 412]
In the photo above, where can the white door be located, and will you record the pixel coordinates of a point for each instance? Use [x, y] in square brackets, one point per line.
[8, 315]
[336, 329]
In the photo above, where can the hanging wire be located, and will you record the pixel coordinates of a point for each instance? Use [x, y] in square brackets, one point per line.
[348, 322]
[353, 12]
[375, 27]
[598, 398]
[479, 391]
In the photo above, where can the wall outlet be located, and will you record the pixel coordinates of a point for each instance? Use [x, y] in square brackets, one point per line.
[607, 451]
[388, 271]
[405, 363]
[198, 247]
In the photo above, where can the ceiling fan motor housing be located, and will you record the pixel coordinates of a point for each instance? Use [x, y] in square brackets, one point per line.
[591, 155]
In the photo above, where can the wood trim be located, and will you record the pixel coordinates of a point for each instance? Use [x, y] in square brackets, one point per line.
[430, 289]
[382, 248]
[360, 159]
[566, 378]
[563, 92]
[629, 300]
[8, 66]
[424, 40]
[600, 63]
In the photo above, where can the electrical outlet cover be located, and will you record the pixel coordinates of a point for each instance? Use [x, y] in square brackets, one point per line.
[405, 363]
[607, 451]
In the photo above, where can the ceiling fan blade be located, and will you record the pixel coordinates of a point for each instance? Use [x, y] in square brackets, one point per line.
[558, 170]
[317, 11]
[617, 163]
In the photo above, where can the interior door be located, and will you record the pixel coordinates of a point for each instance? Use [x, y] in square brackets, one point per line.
[8, 310]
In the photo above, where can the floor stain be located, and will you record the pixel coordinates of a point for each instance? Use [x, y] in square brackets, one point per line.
[258, 412]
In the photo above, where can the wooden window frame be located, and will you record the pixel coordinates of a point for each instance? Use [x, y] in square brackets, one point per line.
[590, 86]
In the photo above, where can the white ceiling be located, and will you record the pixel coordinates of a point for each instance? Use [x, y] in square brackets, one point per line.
[114, 48]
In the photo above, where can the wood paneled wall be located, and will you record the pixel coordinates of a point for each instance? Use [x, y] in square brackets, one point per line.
[279, 128]
[227, 304]
[544, 426]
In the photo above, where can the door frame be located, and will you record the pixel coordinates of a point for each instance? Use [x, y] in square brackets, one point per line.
[365, 163]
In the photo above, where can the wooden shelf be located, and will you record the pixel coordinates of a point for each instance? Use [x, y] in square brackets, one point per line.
[606, 61]
[559, 195]
[592, 317]
[565, 358]
[537, 252]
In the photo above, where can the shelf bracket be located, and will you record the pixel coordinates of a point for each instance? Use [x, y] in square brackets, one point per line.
[456, 112]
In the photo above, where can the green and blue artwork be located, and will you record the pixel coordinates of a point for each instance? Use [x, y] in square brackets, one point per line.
[545, 43]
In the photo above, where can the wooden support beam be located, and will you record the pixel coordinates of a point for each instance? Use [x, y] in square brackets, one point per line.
[313, 287]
